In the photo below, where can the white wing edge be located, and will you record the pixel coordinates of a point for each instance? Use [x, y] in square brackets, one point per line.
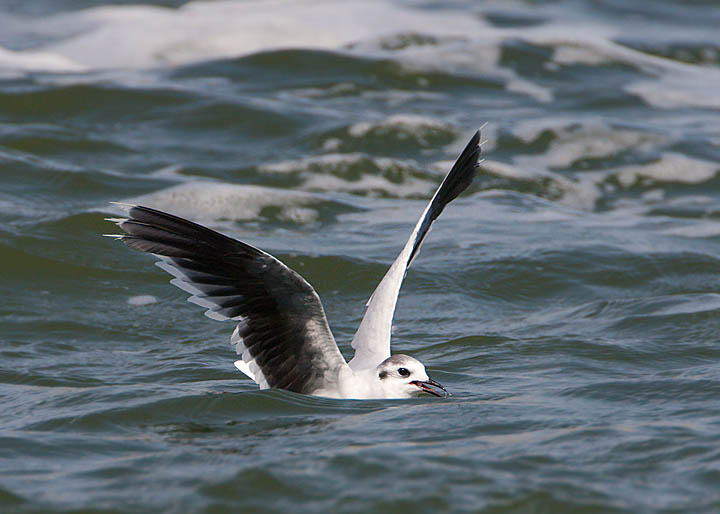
[247, 363]
[372, 339]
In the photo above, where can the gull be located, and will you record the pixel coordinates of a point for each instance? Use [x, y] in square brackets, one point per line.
[282, 335]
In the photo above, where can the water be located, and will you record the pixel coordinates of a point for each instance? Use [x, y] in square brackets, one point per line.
[570, 300]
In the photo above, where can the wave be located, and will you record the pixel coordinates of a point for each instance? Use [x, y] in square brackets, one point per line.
[205, 201]
[449, 39]
[147, 36]
[592, 165]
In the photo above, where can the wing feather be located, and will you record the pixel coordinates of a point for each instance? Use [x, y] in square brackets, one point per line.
[372, 339]
[282, 337]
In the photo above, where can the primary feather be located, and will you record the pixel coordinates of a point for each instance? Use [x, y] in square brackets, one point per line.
[282, 335]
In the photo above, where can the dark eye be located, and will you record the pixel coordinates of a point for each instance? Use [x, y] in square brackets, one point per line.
[403, 372]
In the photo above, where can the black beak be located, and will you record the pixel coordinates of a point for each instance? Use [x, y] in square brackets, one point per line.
[426, 387]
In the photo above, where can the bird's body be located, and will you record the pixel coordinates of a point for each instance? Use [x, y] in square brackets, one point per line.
[282, 336]
[383, 381]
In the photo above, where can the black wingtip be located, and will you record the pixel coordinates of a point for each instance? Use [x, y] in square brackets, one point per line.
[457, 180]
[153, 231]
[460, 176]
[468, 157]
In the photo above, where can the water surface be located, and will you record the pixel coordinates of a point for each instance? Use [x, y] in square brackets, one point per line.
[570, 299]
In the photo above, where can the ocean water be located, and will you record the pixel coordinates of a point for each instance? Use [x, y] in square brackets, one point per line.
[570, 299]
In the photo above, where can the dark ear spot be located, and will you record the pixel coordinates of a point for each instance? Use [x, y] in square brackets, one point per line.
[383, 374]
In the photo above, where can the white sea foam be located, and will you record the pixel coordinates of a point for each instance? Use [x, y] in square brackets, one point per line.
[140, 36]
[573, 142]
[539, 93]
[373, 185]
[207, 202]
[36, 60]
[696, 230]
[404, 125]
[700, 88]
[355, 173]
[674, 84]
[587, 140]
[670, 168]
[137, 36]
[145, 36]
[581, 193]
[144, 299]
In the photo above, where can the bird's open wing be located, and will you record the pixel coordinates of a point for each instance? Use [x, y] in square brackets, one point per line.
[372, 340]
[282, 334]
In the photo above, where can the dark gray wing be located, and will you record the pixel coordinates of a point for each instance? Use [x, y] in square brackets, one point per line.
[282, 335]
[372, 339]
[457, 180]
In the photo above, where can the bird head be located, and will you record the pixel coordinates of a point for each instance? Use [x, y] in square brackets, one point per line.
[402, 376]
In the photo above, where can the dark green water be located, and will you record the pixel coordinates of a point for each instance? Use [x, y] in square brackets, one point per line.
[570, 300]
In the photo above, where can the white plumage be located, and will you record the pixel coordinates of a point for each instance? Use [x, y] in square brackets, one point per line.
[282, 335]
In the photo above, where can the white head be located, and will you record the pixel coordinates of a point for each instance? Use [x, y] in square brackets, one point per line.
[401, 376]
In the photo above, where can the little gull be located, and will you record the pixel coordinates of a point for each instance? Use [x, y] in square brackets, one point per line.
[282, 337]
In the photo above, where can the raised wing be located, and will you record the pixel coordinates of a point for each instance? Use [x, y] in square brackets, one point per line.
[282, 336]
[372, 339]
